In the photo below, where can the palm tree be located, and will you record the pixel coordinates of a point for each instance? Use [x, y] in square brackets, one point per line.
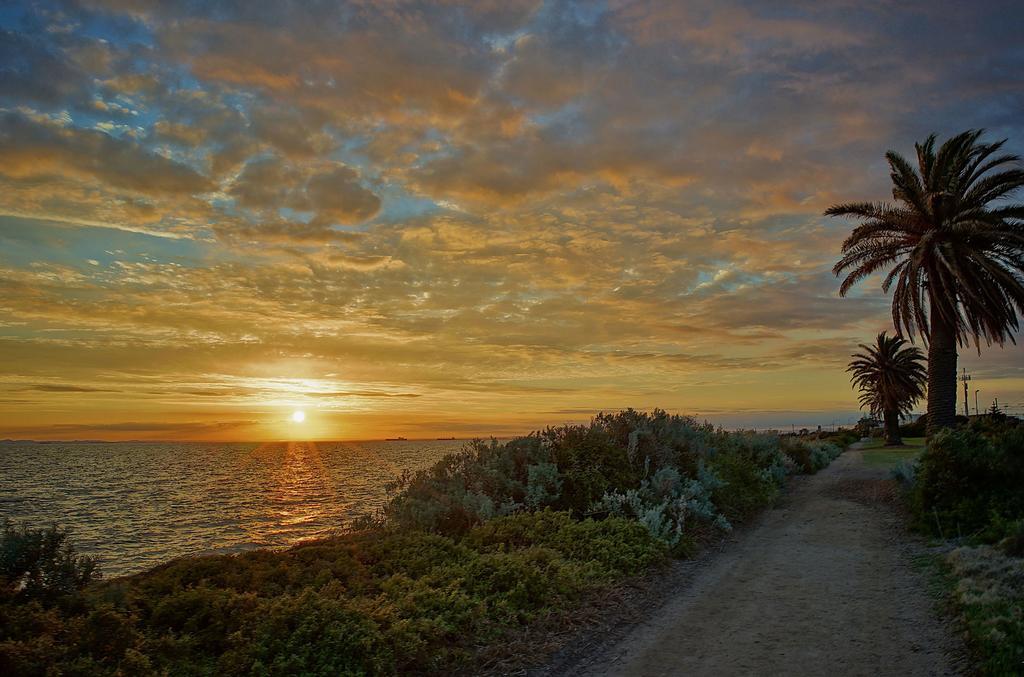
[891, 377]
[953, 248]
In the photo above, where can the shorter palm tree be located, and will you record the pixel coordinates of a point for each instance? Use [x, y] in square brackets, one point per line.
[891, 377]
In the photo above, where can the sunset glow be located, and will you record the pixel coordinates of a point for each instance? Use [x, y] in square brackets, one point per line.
[458, 218]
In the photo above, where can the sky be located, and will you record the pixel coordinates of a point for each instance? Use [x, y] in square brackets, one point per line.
[460, 218]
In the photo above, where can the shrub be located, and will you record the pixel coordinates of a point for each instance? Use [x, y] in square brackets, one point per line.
[389, 602]
[309, 633]
[968, 482]
[595, 457]
[823, 453]
[466, 489]
[666, 502]
[918, 428]
[745, 488]
[618, 546]
[1011, 540]
[842, 438]
[658, 469]
[41, 563]
[566, 468]
[994, 424]
[904, 473]
[810, 456]
[543, 484]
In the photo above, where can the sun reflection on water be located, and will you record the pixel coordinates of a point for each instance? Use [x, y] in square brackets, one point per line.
[134, 505]
[297, 504]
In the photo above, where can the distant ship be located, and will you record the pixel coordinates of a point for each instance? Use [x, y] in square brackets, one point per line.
[395, 439]
[446, 438]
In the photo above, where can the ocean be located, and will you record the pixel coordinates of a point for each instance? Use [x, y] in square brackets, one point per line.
[133, 505]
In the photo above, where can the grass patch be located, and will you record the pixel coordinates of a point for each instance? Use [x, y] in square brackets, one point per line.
[877, 455]
[989, 594]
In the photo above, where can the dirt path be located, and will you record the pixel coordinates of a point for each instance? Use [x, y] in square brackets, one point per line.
[823, 585]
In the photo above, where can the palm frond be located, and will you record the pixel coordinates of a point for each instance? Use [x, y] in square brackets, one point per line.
[945, 249]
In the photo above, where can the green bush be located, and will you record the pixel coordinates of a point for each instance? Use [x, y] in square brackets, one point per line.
[669, 505]
[389, 603]
[41, 564]
[810, 456]
[617, 546]
[746, 488]
[969, 484]
[565, 468]
[918, 428]
[843, 438]
[994, 424]
[1012, 541]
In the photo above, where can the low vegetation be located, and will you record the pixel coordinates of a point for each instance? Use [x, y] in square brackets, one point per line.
[965, 488]
[968, 483]
[485, 541]
[811, 456]
[878, 455]
[367, 603]
[989, 592]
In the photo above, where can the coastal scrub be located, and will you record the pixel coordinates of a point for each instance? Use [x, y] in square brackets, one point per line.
[486, 541]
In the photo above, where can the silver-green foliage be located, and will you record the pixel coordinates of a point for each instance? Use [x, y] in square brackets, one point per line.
[543, 484]
[655, 467]
[823, 453]
[904, 473]
[665, 502]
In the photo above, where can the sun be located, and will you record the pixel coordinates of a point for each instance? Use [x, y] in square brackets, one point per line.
[298, 416]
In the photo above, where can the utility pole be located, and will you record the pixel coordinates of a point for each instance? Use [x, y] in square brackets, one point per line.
[976, 412]
[965, 378]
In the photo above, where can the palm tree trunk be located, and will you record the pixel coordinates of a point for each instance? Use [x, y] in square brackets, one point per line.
[892, 428]
[941, 373]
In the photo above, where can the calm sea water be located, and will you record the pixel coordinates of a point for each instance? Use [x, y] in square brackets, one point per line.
[134, 505]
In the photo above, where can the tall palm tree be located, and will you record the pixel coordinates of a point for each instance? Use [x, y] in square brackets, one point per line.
[891, 377]
[953, 247]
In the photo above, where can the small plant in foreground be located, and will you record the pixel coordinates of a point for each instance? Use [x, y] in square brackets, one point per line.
[41, 563]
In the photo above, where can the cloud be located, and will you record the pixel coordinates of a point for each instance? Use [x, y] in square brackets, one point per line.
[364, 393]
[32, 150]
[279, 231]
[497, 209]
[34, 73]
[63, 388]
[146, 429]
[291, 132]
[337, 196]
[332, 191]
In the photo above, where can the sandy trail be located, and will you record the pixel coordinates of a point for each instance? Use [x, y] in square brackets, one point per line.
[822, 585]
